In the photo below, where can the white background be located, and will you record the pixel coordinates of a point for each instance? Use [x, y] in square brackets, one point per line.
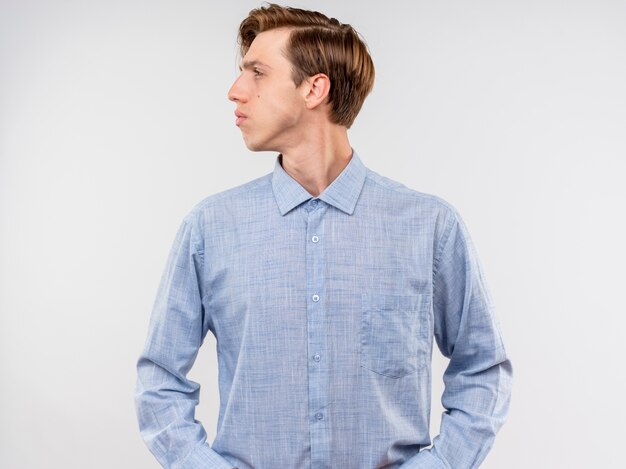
[114, 122]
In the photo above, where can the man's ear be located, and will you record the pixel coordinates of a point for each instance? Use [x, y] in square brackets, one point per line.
[317, 89]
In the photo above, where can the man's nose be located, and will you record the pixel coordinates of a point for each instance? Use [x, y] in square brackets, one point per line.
[236, 92]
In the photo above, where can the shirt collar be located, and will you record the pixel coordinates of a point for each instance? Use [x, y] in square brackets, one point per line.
[342, 193]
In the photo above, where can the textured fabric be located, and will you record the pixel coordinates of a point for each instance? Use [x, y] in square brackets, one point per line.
[324, 311]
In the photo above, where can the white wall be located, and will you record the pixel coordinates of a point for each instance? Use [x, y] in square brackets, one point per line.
[114, 122]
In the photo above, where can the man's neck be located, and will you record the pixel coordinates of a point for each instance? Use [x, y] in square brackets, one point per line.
[316, 161]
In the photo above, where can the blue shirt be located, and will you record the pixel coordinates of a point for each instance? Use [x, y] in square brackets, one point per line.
[324, 311]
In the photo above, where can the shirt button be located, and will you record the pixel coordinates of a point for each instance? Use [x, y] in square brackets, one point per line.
[317, 358]
[315, 239]
[315, 297]
[313, 202]
[319, 416]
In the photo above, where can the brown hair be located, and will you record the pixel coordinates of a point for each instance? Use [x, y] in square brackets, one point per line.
[319, 44]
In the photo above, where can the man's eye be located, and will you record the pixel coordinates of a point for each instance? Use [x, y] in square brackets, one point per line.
[257, 72]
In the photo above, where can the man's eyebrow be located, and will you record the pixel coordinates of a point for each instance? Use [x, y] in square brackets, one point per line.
[248, 64]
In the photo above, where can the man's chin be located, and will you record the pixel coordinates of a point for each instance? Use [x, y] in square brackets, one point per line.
[257, 146]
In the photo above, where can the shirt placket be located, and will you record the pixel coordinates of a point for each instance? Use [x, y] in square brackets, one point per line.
[318, 374]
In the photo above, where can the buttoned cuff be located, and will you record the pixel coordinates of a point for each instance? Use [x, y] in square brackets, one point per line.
[203, 457]
[424, 460]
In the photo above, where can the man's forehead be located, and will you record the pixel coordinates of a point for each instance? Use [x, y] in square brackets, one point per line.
[267, 47]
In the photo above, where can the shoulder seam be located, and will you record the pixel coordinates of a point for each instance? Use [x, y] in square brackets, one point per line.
[232, 192]
[401, 188]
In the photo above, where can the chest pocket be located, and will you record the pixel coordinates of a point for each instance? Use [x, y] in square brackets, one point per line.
[395, 333]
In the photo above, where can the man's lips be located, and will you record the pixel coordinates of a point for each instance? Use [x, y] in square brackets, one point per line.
[240, 117]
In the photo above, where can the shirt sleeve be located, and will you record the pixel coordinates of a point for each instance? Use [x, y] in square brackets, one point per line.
[479, 375]
[165, 399]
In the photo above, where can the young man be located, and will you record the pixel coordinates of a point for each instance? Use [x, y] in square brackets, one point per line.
[324, 284]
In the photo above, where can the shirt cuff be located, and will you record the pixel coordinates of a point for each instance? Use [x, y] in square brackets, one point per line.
[204, 457]
[424, 460]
